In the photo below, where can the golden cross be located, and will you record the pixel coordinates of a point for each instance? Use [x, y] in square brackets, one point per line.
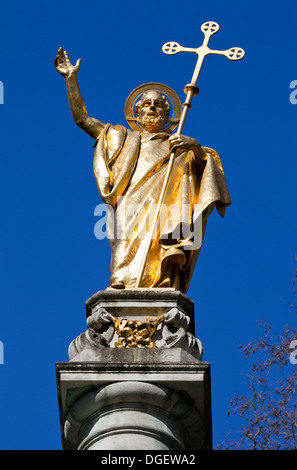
[235, 53]
[209, 28]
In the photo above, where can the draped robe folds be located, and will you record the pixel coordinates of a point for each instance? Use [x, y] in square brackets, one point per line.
[130, 169]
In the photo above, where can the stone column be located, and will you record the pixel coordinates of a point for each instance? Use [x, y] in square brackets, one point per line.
[135, 380]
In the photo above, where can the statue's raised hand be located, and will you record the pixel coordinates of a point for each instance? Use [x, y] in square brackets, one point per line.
[63, 64]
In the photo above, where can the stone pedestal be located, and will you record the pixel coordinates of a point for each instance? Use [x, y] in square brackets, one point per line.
[135, 380]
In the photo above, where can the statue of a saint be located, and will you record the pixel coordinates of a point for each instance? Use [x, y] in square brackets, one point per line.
[129, 168]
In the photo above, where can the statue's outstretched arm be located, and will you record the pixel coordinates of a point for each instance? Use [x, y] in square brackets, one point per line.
[90, 125]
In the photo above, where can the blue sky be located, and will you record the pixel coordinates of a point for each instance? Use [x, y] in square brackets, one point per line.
[51, 261]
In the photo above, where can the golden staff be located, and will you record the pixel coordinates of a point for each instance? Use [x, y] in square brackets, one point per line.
[235, 53]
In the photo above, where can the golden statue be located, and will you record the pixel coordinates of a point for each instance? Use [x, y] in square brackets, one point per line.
[130, 167]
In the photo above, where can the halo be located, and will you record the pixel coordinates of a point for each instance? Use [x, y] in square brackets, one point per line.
[171, 96]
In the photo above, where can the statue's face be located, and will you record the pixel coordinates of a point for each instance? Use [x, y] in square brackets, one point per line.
[153, 111]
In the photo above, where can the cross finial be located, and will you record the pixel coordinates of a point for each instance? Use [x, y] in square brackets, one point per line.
[209, 28]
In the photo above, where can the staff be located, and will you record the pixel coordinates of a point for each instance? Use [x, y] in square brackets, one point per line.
[235, 53]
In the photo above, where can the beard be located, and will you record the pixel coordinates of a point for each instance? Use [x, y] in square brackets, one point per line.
[153, 123]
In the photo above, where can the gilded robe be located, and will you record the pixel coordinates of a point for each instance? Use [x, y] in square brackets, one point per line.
[129, 169]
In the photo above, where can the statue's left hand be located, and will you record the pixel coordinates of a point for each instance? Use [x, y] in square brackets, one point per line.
[182, 142]
[177, 141]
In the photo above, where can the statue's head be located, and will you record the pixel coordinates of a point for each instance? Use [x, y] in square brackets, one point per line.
[152, 111]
